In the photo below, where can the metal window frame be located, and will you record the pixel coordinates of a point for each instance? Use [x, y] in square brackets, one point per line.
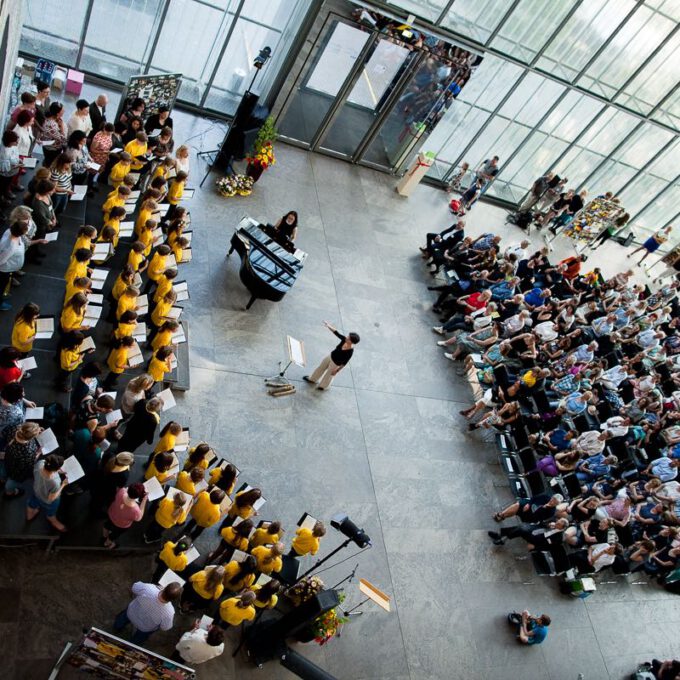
[656, 197]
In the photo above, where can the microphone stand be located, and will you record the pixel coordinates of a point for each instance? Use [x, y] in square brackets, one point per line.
[322, 560]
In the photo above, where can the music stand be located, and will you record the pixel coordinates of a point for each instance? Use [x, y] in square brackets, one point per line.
[280, 385]
[372, 594]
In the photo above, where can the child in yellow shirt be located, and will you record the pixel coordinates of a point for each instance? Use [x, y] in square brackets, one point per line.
[127, 301]
[80, 285]
[175, 193]
[161, 363]
[157, 264]
[172, 556]
[164, 336]
[73, 314]
[116, 199]
[126, 325]
[187, 481]
[205, 512]
[118, 360]
[236, 610]
[145, 236]
[137, 149]
[24, 329]
[178, 248]
[123, 280]
[168, 438]
[306, 541]
[171, 511]
[120, 169]
[136, 259]
[116, 216]
[86, 235]
[160, 313]
[164, 283]
[162, 467]
[70, 358]
[78, 266]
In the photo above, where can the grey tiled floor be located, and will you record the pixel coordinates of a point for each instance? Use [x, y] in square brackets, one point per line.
[385, 444]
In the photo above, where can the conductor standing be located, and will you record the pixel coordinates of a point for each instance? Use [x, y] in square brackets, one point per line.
[332, 364]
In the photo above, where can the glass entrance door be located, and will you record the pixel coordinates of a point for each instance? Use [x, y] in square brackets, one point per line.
[385, 64]
[336, 58]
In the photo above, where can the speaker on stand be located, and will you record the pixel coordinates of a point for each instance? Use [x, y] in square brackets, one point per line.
[245, 125]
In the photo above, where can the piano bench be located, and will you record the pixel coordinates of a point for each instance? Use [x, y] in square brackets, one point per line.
[179, 378]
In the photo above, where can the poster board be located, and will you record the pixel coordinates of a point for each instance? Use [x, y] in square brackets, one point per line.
[108, 656]
[154, 90]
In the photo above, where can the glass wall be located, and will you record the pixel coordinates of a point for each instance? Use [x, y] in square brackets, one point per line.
[211, 42]
[617, 132]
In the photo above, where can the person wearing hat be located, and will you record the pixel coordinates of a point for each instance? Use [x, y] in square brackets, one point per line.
[333, 363]
[235, 610]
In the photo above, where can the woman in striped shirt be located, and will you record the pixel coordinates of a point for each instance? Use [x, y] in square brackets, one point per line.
[61, 176]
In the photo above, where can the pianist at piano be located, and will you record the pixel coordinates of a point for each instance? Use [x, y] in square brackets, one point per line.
[286, 227]
[270, 262]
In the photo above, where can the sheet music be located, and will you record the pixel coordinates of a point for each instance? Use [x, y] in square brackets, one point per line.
[168, 399]
[153, 489]
[48, 442]
[72, 469]
[36, 413]
[27, 364]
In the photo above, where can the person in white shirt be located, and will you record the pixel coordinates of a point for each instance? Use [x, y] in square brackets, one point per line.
[516, 323]
[591, 442]
[199, 645]
[614, 376]
[546, 331]
[519, 250]
[80, 120]
[617, 426]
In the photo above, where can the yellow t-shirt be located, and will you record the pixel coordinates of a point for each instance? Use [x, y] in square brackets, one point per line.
[231, 570]
[162, 477]
[185, 484]
[269, 604]
[178, 252]
[175, 192]
[167, 555]
[124, 330]
[115, 225]
[82, 242]
[261, 536]
[113, 200]
[202, 464]
[234, 615]
[135, 148]
[117, 360]
[161, 339]
[70, 320]
[216, 475]
[261, 554]
[75, 270]
[120, 285]
[160, 312]
[146, 237]
[158, 369]
[118, 172]
[70, 359]
[126, 303]
[135, 260]
[198, 581]
[22, 335]
[244, 512]
[166, 442]
[163, 288]
[71, 290]
[144, 215]
[157, 267]
[230, 536]
[305, 542]
[204, 512]
[164, 512]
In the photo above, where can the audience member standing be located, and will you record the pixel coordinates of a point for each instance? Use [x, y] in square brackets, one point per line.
[150, 610]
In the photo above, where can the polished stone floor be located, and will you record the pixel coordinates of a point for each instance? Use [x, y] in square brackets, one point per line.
[385, 444]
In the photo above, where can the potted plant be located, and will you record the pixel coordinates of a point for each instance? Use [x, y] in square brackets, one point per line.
[262, 153]
[235, 185]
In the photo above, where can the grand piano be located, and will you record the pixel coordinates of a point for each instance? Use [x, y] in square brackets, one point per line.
[268, 267]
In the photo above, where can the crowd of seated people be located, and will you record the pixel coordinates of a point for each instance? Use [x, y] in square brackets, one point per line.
[579, 377]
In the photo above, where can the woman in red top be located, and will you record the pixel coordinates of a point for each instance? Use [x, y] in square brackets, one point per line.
[9, 369]
[127, 508]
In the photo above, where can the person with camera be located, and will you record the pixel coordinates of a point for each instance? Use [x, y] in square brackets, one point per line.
[531, 630]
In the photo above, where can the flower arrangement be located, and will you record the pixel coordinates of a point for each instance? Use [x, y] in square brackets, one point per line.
[328, 625]
[305, 589]
[233, 185]
[262, 154]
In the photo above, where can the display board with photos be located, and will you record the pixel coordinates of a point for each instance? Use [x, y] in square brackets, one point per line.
[156, 91]
[107, 656]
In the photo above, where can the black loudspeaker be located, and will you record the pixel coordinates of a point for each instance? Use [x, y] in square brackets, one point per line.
[266, 637]
[302, 667]
[247, 122]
